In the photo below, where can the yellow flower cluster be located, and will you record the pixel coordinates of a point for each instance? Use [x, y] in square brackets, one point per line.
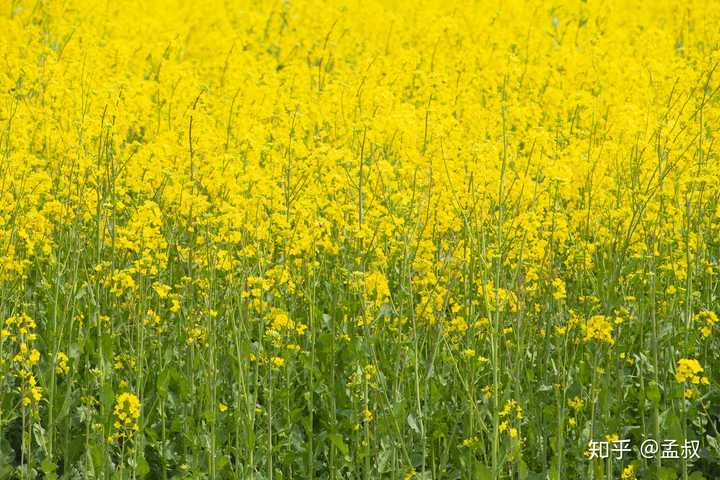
[196, 336]
[510, 412]
[368, 201]
[708, 319]
[376, 288]
[126, 412]
[688, 370]
[61, 363]
[20, 330]
[598, 328]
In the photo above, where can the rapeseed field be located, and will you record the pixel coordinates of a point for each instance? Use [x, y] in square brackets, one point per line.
[344, 239]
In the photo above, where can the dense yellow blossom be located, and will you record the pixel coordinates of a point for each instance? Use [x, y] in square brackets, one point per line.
[688, 370]
[598, 328]
[126, 413]
[356, 239]
[61, 360]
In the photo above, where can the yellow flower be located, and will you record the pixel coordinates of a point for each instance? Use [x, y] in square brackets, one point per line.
[687, 370]
[468, 353]
[709, 319]
[367, 415]
[470, 442]
[36, 393]
[576, 403]
[126, 411]
[598, 328]
[161, 289]
[376, 288]
[487, 391]
[222, 407]
[628, 473]
[196, 335]
[34, 357]
[61, 362]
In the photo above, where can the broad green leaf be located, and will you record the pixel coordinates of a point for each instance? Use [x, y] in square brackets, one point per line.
[339, 442]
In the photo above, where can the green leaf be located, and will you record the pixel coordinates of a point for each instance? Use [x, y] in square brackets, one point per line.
[107, 396]
[713, 442]
[673, 427]
[163, 380]
[384, 459]
[412, 422]
[339, 442]
[98, 457]
[666, 473]
[48, 468]
[107, 347]
[143, 467]
[482, 472]
[522, 470]
[653, 393]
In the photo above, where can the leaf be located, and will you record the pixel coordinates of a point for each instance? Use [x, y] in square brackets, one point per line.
[337, 440]
[713, 442]
[412, 421]
[107, 396]
[97, 456]
[163, 380]
[143, 467]
[482, 472]
[106, 343]
[673, 427]
[666, 473]
[653, 393]
[40, 436]
[80, 294]
[48, 468]
[384, 459]
[522, 470]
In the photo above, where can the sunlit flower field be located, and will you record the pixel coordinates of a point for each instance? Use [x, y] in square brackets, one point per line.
[344, 239]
